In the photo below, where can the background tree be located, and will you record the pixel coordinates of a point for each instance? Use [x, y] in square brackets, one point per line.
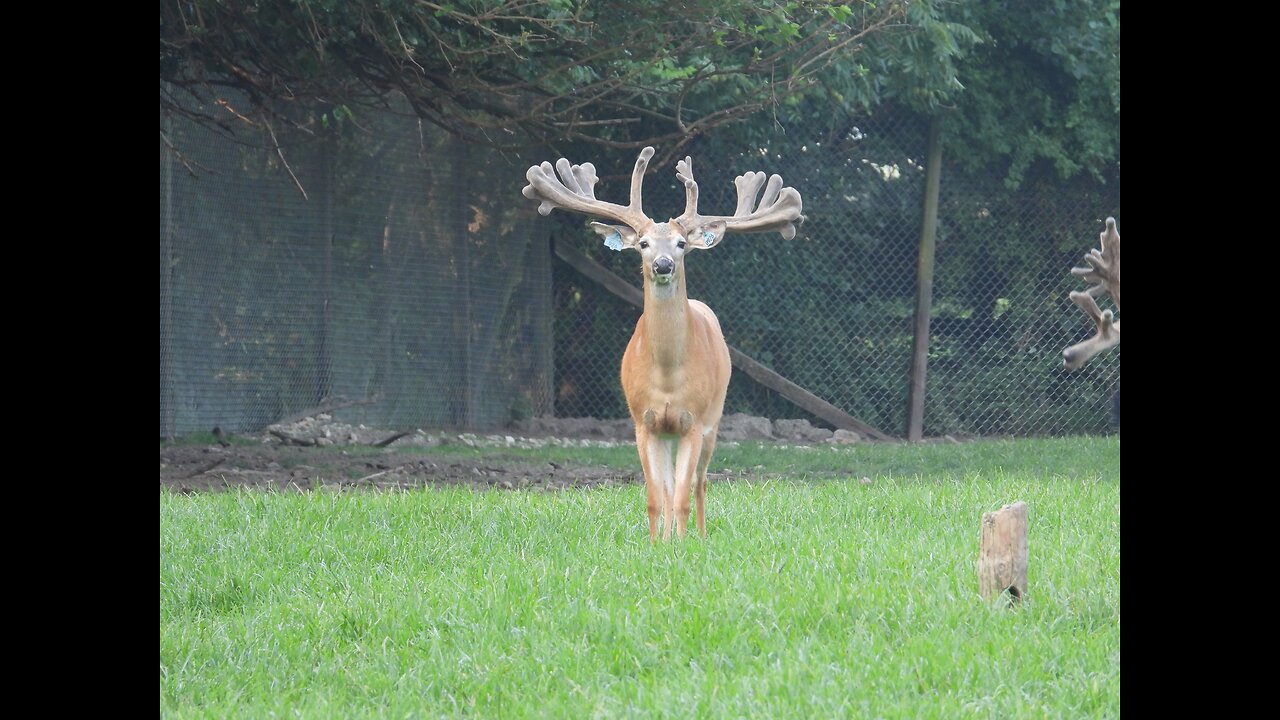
[1041, 90]
[511, 72]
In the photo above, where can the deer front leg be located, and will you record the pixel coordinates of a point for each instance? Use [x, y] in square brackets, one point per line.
[654, 498]
[655, 461]
[700, 492]
[687, 458]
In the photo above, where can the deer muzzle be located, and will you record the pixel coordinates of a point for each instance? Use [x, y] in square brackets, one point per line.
[664, 269]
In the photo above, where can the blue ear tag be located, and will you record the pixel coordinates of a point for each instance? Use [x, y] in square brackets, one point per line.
[708, 238]
[614, 241]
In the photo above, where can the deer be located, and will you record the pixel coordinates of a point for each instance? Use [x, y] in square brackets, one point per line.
[676, 367]
[1104, 272]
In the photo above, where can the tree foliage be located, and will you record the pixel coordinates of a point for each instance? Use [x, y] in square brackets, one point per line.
[1041, 89]
[509, 72]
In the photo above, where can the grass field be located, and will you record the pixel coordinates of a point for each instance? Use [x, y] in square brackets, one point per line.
[811, 599]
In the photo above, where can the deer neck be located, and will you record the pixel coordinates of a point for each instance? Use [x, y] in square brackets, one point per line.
[666, 321]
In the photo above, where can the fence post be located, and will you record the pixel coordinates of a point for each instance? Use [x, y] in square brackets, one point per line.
[546, 326]
[461, 157]
[167, 230]
[924, 286]
[324, 358]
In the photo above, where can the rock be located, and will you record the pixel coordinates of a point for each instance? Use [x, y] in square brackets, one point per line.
[535, 426]
[419, 439]
[799, 430]
[623, 429]
[740, 426]
[845, 437]
[591, 428]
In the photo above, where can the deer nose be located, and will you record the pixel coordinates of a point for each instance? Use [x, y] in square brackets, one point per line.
[663, 266]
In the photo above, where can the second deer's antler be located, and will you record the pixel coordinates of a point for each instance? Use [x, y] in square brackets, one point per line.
[1104, 272]
[1104, 265]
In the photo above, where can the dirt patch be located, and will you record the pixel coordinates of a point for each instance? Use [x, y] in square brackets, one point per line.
[194, 468]
[321, 452]
[325, 430]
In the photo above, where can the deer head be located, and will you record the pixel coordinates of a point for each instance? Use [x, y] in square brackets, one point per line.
[663, 245]
[1104, 272]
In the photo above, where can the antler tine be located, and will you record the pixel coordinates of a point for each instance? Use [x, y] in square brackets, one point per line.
[637, 180]
[574, 190]
[778, 209]
[1107, 333]
[1104, 265]
[1109, 239]
[684, 173]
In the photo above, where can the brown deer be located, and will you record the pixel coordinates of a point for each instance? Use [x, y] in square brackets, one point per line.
[675, 371]
[1104, 272]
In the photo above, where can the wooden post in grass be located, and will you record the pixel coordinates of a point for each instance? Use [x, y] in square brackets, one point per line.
[1002, 564]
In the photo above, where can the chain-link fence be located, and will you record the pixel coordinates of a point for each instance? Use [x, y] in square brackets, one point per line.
[380, 270]
[832, 309]
[413, 286]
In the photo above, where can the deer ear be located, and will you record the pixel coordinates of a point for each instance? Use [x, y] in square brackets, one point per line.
[616, 237]
[707, 236]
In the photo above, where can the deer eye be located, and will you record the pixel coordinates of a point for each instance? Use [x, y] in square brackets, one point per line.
[680, 244]
[644, 244]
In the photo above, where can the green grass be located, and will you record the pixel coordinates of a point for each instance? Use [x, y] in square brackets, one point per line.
[808, 599]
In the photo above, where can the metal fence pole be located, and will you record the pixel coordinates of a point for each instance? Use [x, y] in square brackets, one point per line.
[324, 353]
[458, 151]
[167, 230]
[924, 287]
